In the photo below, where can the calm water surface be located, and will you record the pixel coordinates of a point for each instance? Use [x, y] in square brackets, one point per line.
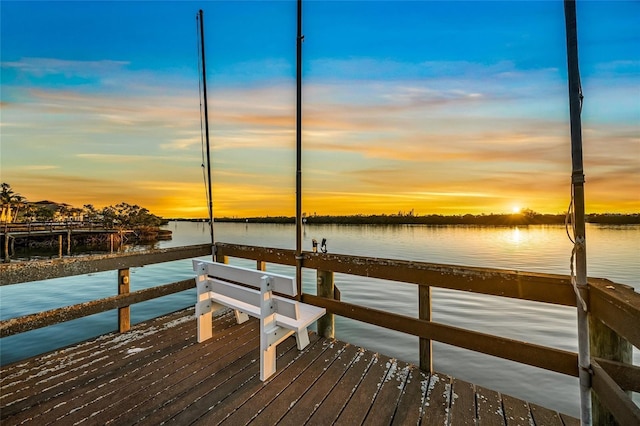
[613, 253]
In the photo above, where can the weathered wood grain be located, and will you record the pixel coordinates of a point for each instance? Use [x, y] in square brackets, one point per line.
[158, 373]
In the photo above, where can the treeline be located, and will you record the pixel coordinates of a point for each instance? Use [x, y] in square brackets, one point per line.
[14, 208]
[525, 218]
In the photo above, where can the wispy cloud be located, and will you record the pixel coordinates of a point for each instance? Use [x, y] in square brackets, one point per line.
[40, 67]
[437, 136]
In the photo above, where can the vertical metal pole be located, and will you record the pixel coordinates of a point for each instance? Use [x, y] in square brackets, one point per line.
[299, 152]
[577, 186]
[206, 130]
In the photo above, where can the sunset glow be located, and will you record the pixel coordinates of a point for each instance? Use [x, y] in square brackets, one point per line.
[431, 107]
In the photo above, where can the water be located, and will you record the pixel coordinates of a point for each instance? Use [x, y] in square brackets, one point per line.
[613, 253]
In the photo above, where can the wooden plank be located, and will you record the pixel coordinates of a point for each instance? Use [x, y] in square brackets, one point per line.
[54, 316]
[551, 359]
[251, 277]
[619, 404]
[307, 315]
[437, 400]
[516, 411]
[37, 270]
[618, 306]
[311, 400]
[333, 404]
[548, 288]
[544, 416]
[236, 297]
[362, 398]
[172, 399]
[154, 384]
[489, 407]
[425, 346]
[20, 371]
[290, 396]
[627, 376]
[569, 421]
[65, 369]
[409, 409]
[222, 392]
[386, 401]
[113, 379]
[463, 403]
[60, 394]
[263, 397]
[226, 400]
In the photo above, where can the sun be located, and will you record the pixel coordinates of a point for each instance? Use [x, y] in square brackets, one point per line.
[516, 209]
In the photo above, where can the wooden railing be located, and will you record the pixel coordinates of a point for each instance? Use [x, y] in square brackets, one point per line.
[614, 308]
[614, 311]
[22, 227]
[21, 272]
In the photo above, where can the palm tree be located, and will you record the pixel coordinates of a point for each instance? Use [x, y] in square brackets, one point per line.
[6, 198]
[18, 201]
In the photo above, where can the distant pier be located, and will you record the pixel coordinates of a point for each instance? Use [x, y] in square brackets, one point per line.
[64, 236]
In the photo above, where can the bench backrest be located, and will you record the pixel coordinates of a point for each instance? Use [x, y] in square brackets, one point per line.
[252, 277]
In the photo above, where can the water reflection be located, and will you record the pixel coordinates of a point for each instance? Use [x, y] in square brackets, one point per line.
[515, 235]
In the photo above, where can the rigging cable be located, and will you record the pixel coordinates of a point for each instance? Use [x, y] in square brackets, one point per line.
[201, 98]
[577, 242]
[204, 176]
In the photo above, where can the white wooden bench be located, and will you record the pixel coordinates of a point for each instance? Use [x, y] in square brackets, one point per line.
[250, 292]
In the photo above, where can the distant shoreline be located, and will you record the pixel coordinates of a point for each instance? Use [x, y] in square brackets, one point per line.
[467, 219]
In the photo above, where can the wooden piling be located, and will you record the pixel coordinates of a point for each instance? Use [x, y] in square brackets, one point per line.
[6, 247]
[326, 288]
[124, 313]
[424, 313]
[606, 343]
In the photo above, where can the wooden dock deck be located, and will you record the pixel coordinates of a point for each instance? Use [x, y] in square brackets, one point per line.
[158, 373]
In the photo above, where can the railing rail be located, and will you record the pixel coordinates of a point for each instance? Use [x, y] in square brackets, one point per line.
[614, 308]
[21, 272]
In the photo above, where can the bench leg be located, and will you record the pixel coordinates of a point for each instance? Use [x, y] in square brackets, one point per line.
[267, 362]
[205, 327]
[241, 317]
[302, 339]
[203, 306]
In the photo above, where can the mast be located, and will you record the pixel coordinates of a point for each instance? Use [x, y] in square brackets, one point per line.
[578, 220]
[299, 256]
[206, 129]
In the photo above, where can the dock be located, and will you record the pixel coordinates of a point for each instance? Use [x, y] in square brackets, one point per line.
[157, 372]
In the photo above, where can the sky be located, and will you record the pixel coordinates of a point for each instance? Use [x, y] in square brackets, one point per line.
[435, 107]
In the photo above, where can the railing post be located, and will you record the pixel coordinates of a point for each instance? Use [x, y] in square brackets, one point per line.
[424, 313]
[606, 343]
[326, 288]
[261, 265]
[6, 247]
[124, 313]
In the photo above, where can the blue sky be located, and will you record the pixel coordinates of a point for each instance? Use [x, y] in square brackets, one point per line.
[442, 107]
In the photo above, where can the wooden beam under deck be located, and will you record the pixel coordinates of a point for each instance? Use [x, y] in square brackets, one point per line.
[157, 372]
